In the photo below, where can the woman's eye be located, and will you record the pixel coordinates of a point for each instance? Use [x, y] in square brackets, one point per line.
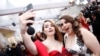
[46, 26]
[61, 24]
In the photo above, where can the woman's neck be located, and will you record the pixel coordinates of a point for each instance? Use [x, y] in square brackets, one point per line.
[50, 38]
[72, 34]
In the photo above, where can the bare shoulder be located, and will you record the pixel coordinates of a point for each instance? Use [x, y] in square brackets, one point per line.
[90, 40]
[45, 43]
[84, 31]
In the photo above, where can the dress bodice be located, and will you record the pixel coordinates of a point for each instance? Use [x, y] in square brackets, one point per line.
[57, 53]
[78, 48]
[42, 50]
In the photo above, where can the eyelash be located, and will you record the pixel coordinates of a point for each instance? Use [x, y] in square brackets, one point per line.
[62, 23]
[47, 26]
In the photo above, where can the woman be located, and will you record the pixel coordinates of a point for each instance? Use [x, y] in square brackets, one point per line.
[78, 40]
[51, 46]
[83, 21]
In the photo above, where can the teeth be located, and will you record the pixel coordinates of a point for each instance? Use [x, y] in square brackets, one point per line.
[50, 31]
[67, 28]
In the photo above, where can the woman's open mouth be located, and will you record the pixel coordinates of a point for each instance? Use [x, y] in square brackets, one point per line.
[67, 29]
[51, 31]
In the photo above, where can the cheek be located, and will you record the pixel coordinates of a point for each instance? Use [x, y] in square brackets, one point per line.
[62, 28]
[54, 30]
[70, 26]
[45, 30]
[65, 26]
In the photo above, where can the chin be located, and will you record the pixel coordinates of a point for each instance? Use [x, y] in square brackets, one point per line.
[51, 33]
[67, 32]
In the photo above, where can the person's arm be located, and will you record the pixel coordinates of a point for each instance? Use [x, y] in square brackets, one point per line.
[90, 41]
[23, 29]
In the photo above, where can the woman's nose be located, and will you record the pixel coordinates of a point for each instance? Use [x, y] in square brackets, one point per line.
[49, 27]
[64, 25]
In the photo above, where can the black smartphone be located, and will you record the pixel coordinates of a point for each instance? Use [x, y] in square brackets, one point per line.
[28, 7]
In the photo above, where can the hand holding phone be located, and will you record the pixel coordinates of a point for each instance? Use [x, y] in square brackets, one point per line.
[29, 7]
[30, 29]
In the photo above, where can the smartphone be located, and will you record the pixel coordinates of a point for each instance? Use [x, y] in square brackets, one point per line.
[28, 7]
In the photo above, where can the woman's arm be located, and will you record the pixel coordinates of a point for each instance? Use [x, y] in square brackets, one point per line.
[23, 19]
[90, 41]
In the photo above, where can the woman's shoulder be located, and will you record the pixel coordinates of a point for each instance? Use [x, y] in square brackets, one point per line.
[86, 33]
[45, 42]
[84, 30]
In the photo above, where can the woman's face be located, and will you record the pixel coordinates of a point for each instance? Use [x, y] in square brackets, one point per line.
[66, 26]
[49, 29]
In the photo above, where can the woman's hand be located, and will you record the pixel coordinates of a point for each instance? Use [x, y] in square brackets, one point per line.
[23, 19]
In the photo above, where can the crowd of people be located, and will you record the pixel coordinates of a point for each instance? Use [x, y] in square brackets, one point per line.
[14, 49]
[93, 13]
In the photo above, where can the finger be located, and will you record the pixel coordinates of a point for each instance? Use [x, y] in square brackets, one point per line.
[29, 21]
[26, 16]
[31, 10]
[30, 16]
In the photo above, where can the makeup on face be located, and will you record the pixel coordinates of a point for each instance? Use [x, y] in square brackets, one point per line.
[66, 26]
[49, 28]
